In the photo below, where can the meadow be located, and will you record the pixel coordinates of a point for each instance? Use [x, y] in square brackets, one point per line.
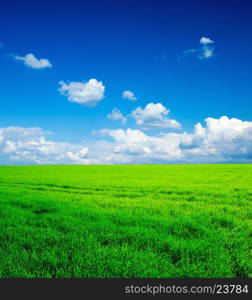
[126, 221]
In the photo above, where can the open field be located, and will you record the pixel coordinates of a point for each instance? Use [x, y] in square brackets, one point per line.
[125, 221]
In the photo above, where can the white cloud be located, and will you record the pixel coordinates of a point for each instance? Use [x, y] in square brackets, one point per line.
[154, 115]
[31, 61]
[116, 115]
[10, 146]
[138, 147]
[129, 95]
[30, 145]
[204, 51]
[79, 157]
[85, 93]
[224, 137]
[205, 40]
[220, 140]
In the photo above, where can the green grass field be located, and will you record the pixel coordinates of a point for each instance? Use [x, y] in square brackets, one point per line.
[125, 221]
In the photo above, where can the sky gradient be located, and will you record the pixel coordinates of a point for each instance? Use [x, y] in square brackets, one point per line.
[125, 81]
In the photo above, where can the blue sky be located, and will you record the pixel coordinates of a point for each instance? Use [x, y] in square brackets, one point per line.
[153, 49]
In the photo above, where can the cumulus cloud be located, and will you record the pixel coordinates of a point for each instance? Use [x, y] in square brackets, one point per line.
[30, 145]
[116, 115]
[78, 157]
[205, 40]
[219, 140]
[31, 61]
[204, 51]
[129, 95]
[85, 93]
[224, 137]
[154, 115]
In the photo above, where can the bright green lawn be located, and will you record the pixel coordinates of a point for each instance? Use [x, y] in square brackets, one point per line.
[125, 221]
